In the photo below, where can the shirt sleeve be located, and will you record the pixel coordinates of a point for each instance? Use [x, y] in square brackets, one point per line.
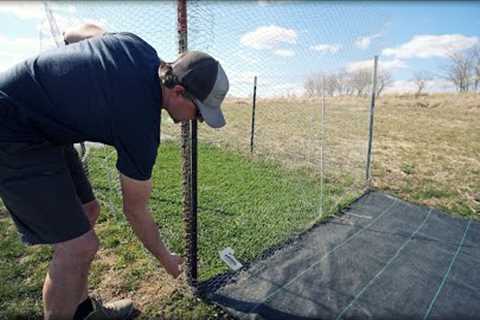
[136, 153]
[136, 135]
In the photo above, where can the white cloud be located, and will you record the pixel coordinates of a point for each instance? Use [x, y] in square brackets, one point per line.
[241, 84]
[364, 42]
[16, 50]
[431, 86]
[382, 65]
[326, 48]
[359, 65]
[16, 46]
[284, 52]
[66, 21]
[4, 64]
[23, 9]
[242, 78]
[427, 46]
[401, 86]
[392, 64]
[269, 37]
[264, 3]
[284, 90]
[439, 85]
[70, 9]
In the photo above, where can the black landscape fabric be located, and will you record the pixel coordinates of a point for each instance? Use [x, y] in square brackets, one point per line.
[384, 258]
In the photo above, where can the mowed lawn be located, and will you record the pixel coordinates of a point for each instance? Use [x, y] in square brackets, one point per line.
[426, 150]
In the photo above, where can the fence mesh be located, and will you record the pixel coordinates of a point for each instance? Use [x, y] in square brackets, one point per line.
[310, 138]
[309, 152]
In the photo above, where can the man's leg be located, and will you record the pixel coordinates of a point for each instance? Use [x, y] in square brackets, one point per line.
[84, 191]
[92, 211]
[37, 188]
[91, 208]
[67, 276]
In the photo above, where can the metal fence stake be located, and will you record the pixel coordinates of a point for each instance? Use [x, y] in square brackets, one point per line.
[189, 154]
[252, 135]
[370, 123]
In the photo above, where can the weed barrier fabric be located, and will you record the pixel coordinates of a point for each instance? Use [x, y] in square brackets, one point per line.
[384, 258]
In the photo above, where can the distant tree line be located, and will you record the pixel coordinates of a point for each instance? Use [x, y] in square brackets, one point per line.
[462, 70]
[343, 83]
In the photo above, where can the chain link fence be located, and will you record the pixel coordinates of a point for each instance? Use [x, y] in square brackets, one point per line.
[309, 151]
[262, 180]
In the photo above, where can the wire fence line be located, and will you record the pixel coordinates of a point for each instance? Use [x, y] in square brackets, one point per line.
[269, 50]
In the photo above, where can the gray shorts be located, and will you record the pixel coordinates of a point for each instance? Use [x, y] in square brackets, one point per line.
[43, 187]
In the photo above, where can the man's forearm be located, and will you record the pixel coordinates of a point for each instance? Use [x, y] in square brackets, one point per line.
[147, 231]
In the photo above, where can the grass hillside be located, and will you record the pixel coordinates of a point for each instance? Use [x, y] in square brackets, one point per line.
[427, 150]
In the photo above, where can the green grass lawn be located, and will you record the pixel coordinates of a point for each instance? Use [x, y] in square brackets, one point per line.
[244, 204]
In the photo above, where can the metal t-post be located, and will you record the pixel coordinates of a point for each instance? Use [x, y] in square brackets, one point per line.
[322, 150]
[189, 153]
[252, 135]
[368, 174]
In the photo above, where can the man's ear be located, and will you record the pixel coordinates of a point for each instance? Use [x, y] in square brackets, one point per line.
[179, 90]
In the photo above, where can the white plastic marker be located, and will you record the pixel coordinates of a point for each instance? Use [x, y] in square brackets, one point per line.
[227, 256]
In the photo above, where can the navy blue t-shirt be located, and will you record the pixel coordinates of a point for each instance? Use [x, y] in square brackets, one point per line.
[104, 89]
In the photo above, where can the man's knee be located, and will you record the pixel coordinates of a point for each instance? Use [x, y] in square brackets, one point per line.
[78, 250]
[92, 211]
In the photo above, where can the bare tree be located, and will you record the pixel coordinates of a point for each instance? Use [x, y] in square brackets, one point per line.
[384, 80]
[319, 84]
[342, 83]
[476, 68]
[357, 82]
[420, 79]
[309, 87]
[331, 84]
[348, 83]
[460, 70]
[360, 81]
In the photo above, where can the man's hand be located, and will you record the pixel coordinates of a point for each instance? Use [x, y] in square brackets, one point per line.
[84, 31]
[173, 265]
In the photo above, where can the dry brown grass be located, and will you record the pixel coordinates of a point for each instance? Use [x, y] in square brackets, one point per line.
[426, 149]
[143, 281]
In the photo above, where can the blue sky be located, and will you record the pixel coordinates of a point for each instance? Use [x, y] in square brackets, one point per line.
[280, 42]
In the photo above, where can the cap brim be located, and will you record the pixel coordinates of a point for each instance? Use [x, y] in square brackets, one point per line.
[212, 115]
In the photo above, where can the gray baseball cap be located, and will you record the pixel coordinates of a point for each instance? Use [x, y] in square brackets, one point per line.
[204, 78]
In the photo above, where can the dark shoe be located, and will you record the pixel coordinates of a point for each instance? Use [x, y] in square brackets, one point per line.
[117, 310]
